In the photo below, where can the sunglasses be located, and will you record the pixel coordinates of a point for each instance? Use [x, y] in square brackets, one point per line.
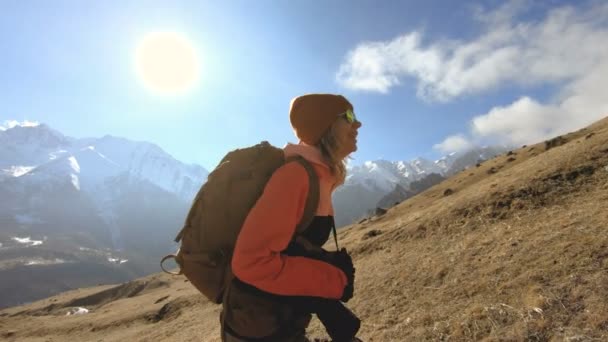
[349, 115]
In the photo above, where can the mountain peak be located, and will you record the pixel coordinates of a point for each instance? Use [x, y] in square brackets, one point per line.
[9, 124]
[31, 145]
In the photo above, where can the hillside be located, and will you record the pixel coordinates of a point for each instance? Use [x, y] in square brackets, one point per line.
[513, 249]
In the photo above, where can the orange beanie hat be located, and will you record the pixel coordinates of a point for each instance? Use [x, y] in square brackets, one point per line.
[312, 114]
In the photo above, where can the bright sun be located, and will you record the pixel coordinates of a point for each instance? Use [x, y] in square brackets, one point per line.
[167, 62]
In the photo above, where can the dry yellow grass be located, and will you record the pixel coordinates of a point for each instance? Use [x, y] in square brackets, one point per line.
[517, 252]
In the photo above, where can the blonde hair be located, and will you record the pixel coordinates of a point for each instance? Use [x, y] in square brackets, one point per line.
[329, 146]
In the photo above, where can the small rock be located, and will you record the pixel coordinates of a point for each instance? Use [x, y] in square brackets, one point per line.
[557, 141]
[161, 299]
[448, 192]
[585, 170]
[380, 211]
[161, 314]
[372, 233]
[511, 159]
[9, 333]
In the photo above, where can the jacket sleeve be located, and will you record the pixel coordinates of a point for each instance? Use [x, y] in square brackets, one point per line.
[268, 229]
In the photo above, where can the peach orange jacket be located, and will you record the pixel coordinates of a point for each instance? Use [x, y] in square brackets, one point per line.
[270, 225]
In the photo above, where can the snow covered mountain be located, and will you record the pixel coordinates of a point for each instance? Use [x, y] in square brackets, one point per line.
[88, 202]
[24, 148]
[38, 163]
[383, 175]
[376, 183]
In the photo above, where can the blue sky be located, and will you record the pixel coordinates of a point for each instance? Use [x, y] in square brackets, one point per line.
[425, 77]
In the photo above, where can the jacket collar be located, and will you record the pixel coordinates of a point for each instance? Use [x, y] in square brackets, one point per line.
[309, 152]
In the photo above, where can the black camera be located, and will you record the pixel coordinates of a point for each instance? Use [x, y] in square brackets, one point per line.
[340, 323]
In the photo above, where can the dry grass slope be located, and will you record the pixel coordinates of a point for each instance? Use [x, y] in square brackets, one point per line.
[515, 249]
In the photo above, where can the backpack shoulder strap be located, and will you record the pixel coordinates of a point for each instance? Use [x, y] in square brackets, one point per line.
[312, 200]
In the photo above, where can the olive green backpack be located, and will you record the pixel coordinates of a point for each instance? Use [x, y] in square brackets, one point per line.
[219, 210]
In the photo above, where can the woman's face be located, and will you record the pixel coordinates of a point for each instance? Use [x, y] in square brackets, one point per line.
[346, 136]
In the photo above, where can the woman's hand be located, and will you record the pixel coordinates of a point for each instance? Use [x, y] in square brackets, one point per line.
[342, 260]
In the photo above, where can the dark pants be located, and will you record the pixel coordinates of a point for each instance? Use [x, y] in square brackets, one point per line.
[227, 336]
[251, 315]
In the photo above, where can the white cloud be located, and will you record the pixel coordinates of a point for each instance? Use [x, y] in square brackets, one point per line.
[564, 46]
[528, 121]
[503, 14]
[378, 66]
[567, 49]
[454, 143]
[523, 120]
[8, 124]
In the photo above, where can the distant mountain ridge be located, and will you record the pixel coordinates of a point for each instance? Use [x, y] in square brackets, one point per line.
[99, 158]
[382, 182]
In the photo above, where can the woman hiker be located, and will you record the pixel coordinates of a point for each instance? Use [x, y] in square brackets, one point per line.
[277, 285]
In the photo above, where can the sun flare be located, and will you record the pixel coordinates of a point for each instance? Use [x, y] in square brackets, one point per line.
[167, 62]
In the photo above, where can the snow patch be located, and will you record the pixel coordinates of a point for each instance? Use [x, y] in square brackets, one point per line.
[8, 124]
[74, 164]
[44, 262]
[17, 171]
[75, 181]
[77, 311]
[117, 260]
[27, 241]
[56, 154]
